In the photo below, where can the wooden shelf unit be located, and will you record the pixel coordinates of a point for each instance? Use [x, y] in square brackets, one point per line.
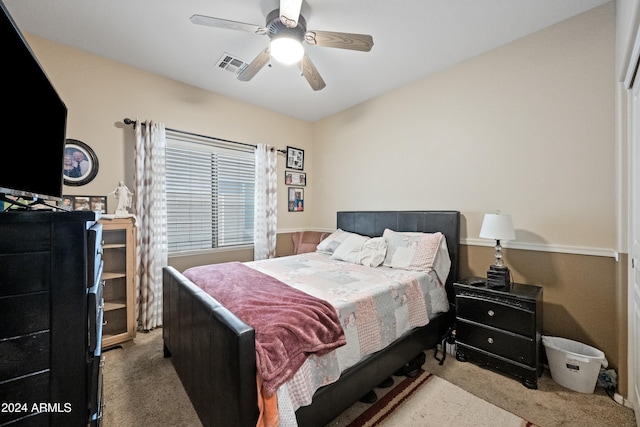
[119, 275]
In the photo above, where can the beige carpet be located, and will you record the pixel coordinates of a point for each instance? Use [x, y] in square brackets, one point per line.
[428, 400]
[141, 388]
[455, 407]
[549, 405]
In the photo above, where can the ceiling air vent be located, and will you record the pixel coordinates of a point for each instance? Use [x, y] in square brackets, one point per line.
[231, 63]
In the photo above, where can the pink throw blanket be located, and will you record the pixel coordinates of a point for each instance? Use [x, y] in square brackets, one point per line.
[289, 324]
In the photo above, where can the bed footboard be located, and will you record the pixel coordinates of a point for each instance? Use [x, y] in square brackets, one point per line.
[212, 351]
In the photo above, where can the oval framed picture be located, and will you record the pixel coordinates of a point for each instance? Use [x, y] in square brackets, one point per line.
[80, 164]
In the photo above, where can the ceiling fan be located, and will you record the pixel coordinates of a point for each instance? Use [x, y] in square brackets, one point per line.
[287, 29]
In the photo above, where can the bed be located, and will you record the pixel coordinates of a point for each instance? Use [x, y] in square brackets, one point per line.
[214, 352]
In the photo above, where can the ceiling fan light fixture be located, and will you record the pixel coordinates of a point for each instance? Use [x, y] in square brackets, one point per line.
[286, 50]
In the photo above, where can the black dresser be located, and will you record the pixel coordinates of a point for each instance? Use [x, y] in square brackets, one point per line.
[500, 328]
[50, 318]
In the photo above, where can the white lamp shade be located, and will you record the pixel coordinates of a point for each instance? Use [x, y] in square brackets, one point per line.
[498, 227]
[286, 50]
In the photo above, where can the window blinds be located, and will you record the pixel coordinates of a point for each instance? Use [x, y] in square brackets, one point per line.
[210, 193]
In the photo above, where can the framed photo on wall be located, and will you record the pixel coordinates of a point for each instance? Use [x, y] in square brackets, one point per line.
[295, 158]
[296, 199]
[295, 178]
[80, 163]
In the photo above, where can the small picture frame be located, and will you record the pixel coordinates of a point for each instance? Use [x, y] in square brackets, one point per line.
[66, 203]
[295, 158]
[98, 203]
[298, 179]
[296, 199]
[84, 203]
[80, 164]
[81, 203]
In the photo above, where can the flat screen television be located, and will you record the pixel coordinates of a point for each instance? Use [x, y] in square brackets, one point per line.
[34, 121]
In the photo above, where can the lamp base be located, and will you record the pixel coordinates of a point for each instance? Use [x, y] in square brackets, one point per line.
[498, 277]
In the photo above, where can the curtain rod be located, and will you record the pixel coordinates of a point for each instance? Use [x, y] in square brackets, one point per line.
[128, 121]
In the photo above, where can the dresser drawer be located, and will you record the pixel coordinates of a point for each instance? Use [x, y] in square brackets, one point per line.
[95, 388]
[512, 346]
[24, 314]
[498, 314]
[95, 308]
[15, 268]
[26, 390]
[24, 355]
[94, 254]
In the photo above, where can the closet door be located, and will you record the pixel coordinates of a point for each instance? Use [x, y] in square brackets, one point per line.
[634, 232]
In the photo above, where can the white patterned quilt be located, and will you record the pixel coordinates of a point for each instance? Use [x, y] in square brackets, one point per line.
[375, 305]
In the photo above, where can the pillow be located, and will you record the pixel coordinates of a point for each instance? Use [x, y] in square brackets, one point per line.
[332, 242]
[351, 249]
[411, 251]
[364, 250]
[442, 264]
[373, 252]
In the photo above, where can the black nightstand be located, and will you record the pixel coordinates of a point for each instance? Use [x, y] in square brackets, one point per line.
[500, 328]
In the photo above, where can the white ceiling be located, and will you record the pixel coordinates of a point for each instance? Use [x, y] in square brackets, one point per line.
[412, 39]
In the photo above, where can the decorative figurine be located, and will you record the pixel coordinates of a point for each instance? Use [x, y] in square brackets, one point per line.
[122, 193]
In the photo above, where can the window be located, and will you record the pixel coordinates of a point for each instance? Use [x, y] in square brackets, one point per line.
[210, 193]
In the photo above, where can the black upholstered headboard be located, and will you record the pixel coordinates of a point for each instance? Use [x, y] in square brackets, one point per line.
[373, 224]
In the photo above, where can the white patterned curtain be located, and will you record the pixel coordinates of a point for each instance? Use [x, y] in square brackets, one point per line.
[266, 203]
[150, 205]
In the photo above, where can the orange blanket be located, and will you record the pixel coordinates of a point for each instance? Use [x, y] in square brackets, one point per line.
[268, 406]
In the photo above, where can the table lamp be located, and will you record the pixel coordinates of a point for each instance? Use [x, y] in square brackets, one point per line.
[498, 227]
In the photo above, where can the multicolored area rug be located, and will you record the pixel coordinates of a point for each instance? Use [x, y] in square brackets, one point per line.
[427, 400]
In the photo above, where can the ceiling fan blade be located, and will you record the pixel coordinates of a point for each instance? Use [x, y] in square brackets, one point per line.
[310, 72]
[362, 42]
[255, 65]
[230, 25]
[289, 12]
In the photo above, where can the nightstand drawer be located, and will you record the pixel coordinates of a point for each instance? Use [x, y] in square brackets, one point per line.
[514, 347]
[498, 314]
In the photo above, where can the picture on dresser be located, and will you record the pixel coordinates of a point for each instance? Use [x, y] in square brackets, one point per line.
[66, 203]
[84, 203]
[81, 203]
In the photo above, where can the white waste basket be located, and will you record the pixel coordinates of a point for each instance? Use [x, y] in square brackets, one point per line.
[574, 365]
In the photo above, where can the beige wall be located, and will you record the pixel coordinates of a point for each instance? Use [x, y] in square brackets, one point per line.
[527, 129]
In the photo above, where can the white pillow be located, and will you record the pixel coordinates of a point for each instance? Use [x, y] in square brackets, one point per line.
[332, 242]
[351, 249]
[363, 250]
[373, 252]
